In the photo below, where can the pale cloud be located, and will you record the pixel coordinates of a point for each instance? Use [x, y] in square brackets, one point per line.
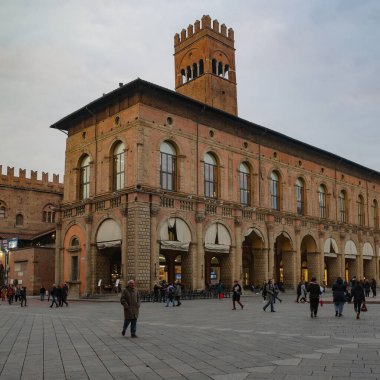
[308, 69]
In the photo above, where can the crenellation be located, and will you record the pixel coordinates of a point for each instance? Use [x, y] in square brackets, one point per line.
[215, 25]
[223, 30]
[231, 34]
[10, 179]
[206, 21]
[183, 35]
[197, 26]
[190, 30]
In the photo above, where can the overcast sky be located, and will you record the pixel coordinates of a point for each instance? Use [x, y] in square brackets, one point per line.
[308, 69]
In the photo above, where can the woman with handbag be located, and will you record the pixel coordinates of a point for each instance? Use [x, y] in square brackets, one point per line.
[339, 296]
[358, 295]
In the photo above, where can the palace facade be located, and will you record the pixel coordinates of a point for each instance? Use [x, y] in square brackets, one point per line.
[173, 185]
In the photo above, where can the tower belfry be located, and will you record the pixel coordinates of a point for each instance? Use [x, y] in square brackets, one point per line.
[204, 59]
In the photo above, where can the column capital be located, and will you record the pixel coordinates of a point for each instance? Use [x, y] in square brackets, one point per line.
[237, 221]
[154, 210]
[88, 218]
[124, 209]
[199, 217]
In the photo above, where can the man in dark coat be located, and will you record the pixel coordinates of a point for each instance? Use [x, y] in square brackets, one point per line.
[130, 299]
[357, 293]
[314, 290]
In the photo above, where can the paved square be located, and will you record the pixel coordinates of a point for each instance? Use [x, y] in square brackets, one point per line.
[201, 339]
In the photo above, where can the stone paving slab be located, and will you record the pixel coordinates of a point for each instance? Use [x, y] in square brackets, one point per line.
[202, 339]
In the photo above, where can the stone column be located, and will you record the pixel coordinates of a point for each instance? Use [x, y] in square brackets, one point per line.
[321, 235]
[200, 269]
[288, 260]
[297, 259]
[342, 268]
[376, 257]
[124, 245]
[93, 282]
[59, 250]
[88, 220]
[154, 248]
[237, 264]
[270, 229]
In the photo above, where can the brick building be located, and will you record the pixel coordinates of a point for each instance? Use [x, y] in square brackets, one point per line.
[27, 219]
[174, 185]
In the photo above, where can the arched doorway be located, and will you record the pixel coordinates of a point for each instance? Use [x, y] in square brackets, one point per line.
[217, 255]
[351, 260]
[255, 258]
[284, 261]
[108, 259]
[330, 252]
[174, 256]
[310, 257]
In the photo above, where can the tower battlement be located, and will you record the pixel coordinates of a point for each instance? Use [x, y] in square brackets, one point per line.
[32, 182]
[198, 26]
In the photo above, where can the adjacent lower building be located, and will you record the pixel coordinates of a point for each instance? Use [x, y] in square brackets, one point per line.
[173, 185]
[28, 228]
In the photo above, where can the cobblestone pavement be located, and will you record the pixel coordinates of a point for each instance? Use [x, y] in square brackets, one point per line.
[201, 339]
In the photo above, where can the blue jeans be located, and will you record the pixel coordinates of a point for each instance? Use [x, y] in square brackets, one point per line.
[133, 323]
[42, 296]
[339, 307]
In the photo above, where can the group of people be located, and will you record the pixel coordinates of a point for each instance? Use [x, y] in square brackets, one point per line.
[13, 294]
[58, 295]
[168, 292]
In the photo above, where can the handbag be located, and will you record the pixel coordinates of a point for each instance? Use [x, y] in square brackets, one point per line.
[321, 302]
[364, 307]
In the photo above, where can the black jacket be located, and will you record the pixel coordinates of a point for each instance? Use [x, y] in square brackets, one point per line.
[339, 292]
[314, 289]
[357, 292]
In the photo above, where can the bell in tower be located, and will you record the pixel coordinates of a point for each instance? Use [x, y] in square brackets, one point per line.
[204, 59]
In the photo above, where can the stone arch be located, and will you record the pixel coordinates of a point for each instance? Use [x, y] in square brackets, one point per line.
[369, 261]
[254, 257]
[218, 242]
[351, 260]
[331, 261]
[284, 260]
[310, 259]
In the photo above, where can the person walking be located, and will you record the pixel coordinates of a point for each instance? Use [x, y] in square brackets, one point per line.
[23, 296]
[170, 295]
[53, 294]
[42, 293]
[303, 298]
[367, 287]
[64, 294]
[314, 290]
[220, 290]
[270, 290]
[178, 293]
[339, 296]
[236, 295]
[357, 292]
[130, 299]
[373, 287]
[299, 291]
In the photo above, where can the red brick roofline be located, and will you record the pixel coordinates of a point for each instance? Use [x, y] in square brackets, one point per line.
[225, 121]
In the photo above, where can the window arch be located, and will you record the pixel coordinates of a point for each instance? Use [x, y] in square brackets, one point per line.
[214, 63]
[118, 166]
[19, 220]
[74, 242]
[210, 176]
[300, 196]
[195, 70]
[322, 201]
[168, 166]
[2, 212]
[275, 190]
[48, 215]
[245, 184]
[375, 209]
[84, 177]
[361, 216]
[201, 67]
[343, 206]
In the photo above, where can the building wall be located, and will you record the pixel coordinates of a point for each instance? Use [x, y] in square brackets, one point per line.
[36, 268]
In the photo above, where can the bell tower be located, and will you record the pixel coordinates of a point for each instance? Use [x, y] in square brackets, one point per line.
[204, 59]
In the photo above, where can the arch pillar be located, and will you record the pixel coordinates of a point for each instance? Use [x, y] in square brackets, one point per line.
[59, 251]
[89, 254]
[270, 249]
[124, 252]
[154, 247]
[260, 264]
[200, 259]
[342, 264]
[321, 256]
[376, 257]
[289, 262]
[297, 259]
[237, 262]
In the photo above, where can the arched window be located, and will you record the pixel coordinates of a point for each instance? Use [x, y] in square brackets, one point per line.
[2, 212]
[19, 220]
[195, 70]
[201, 67]
[210, 176]
[275, 191]
[322, 201]
[188, 73]
[343, 206]
[214, 66]
[300, 196]
[74, 242]
[118, 167]
[183, 76]
[84, 180]
[226, 71]
[361, 218]
[220, 69]
[48, 215]
[168, 167]
[375, 208]
[245, 184]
